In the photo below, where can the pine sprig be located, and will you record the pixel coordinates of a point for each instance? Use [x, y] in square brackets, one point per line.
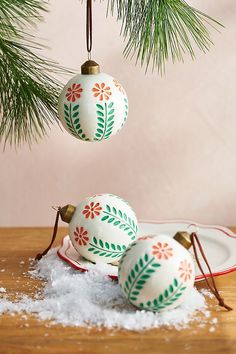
[157, 30]
[21, 12]
[28, 91]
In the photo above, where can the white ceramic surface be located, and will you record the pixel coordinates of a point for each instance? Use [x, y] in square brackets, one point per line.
[93, 107]
[102, 227]
[219, 244]
[156, 273]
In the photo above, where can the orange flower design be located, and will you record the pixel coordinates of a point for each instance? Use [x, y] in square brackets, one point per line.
[81, 236]
[101, 91]
[74, 92]
[185, 269]
[162, 250]
[92, 210]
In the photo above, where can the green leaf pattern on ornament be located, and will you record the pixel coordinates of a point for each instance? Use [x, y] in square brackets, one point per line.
[105, 118]
[120, 219]
[139, 275]
[126, 111]
[169, 296]
[71, 114]
[106, 249]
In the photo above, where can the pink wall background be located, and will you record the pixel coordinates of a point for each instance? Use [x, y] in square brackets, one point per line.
[176, 156]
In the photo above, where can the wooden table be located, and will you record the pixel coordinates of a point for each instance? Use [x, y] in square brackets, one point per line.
[31, 336]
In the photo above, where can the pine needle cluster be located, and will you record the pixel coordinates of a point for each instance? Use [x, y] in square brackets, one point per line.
[159, 30]
[28, 90]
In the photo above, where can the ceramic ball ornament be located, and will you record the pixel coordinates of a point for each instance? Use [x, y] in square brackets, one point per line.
[101, 227]
[93, 106]
[156, 273]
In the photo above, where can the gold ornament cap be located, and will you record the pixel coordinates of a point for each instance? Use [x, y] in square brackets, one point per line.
[183, 238]
[67, 212]
[90, 67]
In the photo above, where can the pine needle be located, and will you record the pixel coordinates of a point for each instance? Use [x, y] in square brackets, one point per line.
[28, 92]
[159, 30]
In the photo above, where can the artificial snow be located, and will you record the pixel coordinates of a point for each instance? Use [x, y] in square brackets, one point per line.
[207, 293]
[91, 299]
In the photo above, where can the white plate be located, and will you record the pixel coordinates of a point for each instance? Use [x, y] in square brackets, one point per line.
[219, 244]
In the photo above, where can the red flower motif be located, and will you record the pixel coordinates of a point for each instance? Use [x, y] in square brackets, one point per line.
[74, 92]
[118, 85]
[81, 236]
[92, 210]
[162, 250]
[101, 91]
[185, 269]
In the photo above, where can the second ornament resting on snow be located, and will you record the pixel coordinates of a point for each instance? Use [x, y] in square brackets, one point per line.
[156, 273]
[93, 106]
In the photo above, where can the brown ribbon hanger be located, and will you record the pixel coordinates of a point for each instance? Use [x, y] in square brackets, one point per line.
[212, 285]
[54, 234]
[89, 28]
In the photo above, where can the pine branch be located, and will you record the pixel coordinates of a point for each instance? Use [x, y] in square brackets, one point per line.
[21, 12]
[28, 92]
[157, 30]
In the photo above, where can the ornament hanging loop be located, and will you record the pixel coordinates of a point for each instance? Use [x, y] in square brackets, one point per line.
[89, 28]
[40, 255]
[195, 228]
[57, 208]
[211, 282]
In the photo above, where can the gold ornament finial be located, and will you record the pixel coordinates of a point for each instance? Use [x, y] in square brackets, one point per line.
[184, 239]
[67, 212]
[90, 67]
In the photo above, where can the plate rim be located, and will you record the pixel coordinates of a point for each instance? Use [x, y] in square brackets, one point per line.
[224, 229]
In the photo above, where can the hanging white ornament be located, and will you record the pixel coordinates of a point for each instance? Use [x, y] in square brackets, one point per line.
[93, 106]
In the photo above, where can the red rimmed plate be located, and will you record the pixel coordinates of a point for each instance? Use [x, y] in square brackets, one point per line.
[219, 244]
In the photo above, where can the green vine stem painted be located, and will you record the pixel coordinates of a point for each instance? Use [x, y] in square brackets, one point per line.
[73, 122]
[106, 249]
[105, 117]
[169, 296]
[139, 275]
[126, 111]
[121, 220]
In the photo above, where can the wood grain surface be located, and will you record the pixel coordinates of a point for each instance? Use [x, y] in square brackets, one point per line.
[29, 335]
